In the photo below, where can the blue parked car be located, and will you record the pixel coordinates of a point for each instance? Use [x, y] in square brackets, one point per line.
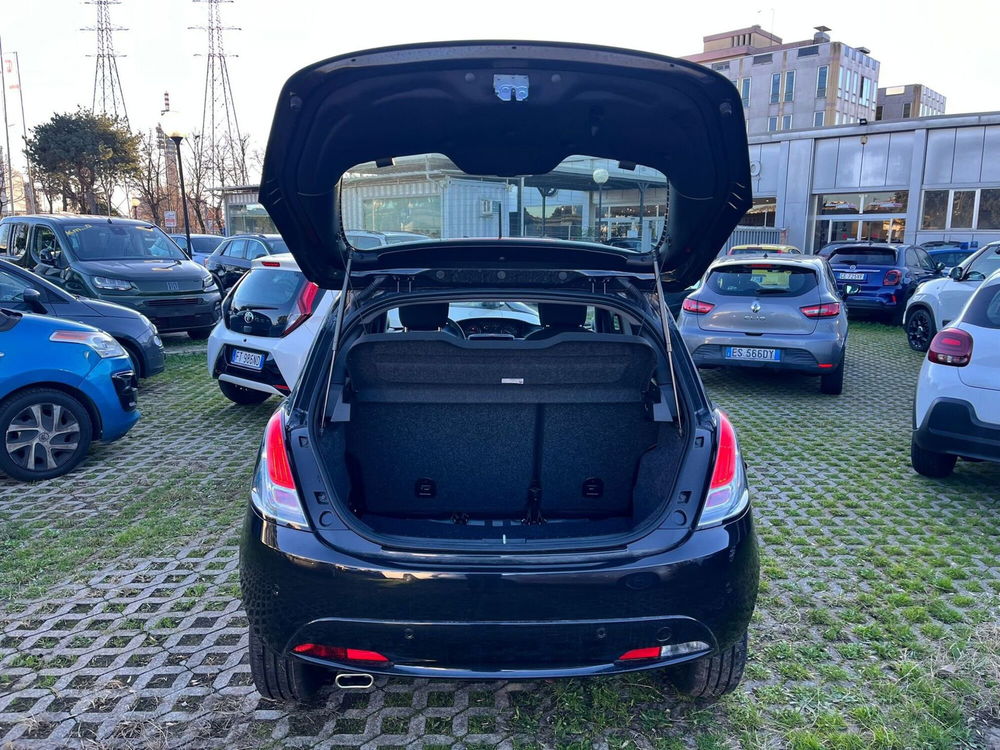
[202, 245]
[948, 252]
[62, 385]
[886, 275]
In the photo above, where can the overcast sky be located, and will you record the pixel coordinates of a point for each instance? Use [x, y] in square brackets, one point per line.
[949, 46]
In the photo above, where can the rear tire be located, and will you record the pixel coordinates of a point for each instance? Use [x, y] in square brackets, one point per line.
[713, 676]
[238, 394]
[278, 677]
[43, 425]
[931, 464]
[920, 329]
[199, 334]
[832, 383]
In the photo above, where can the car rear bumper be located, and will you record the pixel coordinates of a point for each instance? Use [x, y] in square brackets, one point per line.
[798, 353]
[483, 621]
[888, 301]
[951, 426]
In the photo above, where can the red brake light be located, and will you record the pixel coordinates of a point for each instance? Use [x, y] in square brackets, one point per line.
[696, 306]
[336, 653]
[892, 277]
[270, 264]
[303, 307]
[725, 458]
[279, 470]
[952, 346]
[826, 310]
[653, 652]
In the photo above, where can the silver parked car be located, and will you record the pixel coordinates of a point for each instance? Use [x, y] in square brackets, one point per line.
[783, 313]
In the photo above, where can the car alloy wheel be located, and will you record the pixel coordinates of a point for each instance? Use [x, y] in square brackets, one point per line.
[919, 330]
[42, 437]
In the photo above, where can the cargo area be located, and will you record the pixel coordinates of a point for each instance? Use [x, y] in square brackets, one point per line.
[503, 440]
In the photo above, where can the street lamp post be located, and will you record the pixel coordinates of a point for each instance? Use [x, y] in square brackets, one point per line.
[135, 208]
[176, 132]
[600, 177]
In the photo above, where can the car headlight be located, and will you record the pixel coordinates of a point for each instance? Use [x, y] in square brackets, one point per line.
[117, 285]
[100, 342]
[208, 283]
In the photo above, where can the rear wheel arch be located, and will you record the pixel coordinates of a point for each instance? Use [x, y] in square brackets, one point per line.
[95, 415]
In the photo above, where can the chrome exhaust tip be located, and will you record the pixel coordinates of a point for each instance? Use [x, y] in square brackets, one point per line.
[354, 680]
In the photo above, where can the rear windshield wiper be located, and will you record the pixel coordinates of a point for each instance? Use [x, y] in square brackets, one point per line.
[257, 307]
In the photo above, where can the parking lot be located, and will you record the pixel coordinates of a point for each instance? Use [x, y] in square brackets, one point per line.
[877, 624]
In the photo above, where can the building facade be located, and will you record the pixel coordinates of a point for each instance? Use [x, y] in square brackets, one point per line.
[906, 102]
[935, 178]
[794, 85]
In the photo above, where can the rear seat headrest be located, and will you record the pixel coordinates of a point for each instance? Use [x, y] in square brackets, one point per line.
[426, 317]
[562, 316]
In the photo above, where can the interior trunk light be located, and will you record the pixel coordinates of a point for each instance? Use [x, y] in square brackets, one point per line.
[892, 277]
[336, 653]
[826, 310]
[952, 346]
[696, 306]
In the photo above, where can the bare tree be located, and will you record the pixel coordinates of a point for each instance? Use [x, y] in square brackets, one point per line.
[150, 183]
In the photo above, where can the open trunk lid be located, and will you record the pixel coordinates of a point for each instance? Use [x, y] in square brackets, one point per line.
[508, 109]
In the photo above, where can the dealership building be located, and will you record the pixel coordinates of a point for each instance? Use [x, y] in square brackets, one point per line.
[915, 180]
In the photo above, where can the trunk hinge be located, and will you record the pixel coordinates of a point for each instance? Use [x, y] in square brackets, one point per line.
[337, 327]
[665, 327]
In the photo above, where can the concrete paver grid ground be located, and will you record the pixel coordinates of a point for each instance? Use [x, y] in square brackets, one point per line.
[867, 569]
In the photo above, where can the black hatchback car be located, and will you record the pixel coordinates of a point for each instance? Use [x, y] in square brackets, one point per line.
[124, 261]
[24, 291]
[553, 500]
[234, 257]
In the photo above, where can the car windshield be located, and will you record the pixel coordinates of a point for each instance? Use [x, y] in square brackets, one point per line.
[205, 244]
[985, 263]
[753, 279]
[99, 240]
[877, 256]
[583, 199]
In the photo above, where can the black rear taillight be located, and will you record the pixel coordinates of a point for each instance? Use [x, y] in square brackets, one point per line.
[303, 307]
[952, 346]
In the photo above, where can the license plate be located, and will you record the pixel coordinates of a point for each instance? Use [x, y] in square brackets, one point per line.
[250, 360]
[851, 276]
[758, 355]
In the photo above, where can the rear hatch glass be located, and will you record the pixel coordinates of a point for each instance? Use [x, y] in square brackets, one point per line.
[268, 301]
[984, 312]
[760, 298]
[869, 256]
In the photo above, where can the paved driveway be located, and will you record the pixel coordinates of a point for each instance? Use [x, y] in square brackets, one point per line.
[877, 624]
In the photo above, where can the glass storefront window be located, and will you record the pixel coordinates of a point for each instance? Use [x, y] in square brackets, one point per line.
[935, 209]
[762, 214]
[249, 219]
[843, 230]
[840, 203]
[989, 209]
[885, 230]
[886, 203]
[421, 215]
[963, 203]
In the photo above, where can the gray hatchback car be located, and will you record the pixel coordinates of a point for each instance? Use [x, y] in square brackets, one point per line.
[775, 312]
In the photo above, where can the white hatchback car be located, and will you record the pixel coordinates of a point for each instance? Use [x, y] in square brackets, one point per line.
[957, 406]
[936, 303]
[269, 321]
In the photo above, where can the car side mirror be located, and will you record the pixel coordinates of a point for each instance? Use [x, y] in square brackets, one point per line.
[850, 290]
[955, 273]
[33, 299]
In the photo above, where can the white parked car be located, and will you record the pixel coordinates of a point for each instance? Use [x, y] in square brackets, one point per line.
[957, 406]
[936, 303]
[269, 321]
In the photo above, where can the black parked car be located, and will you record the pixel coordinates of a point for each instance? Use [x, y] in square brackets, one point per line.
[233, 258]
[124, 261]
[24, 291]
[202, 245]
[558, 502]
